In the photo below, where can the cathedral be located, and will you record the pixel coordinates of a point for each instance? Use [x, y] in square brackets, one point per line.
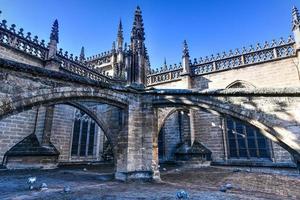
[224, 129]
[116, 62]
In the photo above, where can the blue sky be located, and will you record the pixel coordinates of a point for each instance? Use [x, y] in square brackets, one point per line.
[209, 26]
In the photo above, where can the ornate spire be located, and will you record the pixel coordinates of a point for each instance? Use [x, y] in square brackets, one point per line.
[138, 26]
[295, 17]
[165, 64]
[113, 48]
[120, 37]
[54, 31]
[120, 30]
[82, 56]
[185, 49]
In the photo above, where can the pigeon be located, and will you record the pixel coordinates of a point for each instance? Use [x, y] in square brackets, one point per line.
[31, 180]
[43, 187]
[67, 189]
[182, 195]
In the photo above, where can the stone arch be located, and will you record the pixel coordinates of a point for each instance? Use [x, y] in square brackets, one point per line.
[24, 101]
[166, 113]
[12, 105]
[223, 108]
[101, 123]
[166, 140]
[240, 84]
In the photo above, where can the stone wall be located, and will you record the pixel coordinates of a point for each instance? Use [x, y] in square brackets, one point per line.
[63, 123]
[18, 56]
[209, 131]
[171, 136]
[62, 130]
[15, 128]
[281, 73]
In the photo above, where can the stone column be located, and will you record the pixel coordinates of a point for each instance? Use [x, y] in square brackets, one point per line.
[43, 125]
[135, 149]
[48, 125]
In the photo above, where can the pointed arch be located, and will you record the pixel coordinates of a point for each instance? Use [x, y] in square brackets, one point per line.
[240, 84]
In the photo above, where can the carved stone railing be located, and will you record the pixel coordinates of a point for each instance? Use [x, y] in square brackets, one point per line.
[259, 54]
[16, 39]
[164, 76]
[100, 58]
[268, 52]
[70, 65]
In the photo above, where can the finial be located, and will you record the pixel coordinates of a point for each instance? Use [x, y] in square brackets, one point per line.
[165, 61]
[138, 26]
[54, 31]
[82, 55]
[113, 46]
[295, 17]
[120, 28]
[120, 36]
[185, 49]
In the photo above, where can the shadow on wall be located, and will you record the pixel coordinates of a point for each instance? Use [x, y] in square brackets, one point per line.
[33, 152]
[272, 125]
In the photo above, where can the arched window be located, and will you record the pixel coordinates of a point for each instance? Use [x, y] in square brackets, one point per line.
[83, 135]
[246, 141]
[240, 84]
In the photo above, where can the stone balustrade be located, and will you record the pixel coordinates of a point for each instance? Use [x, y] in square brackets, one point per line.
[10, 37]
[17, 40]
[225, 61]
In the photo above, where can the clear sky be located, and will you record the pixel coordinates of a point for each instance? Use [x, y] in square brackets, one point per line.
[209, 26]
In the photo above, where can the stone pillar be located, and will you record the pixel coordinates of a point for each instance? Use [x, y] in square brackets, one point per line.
[40, 123]
[43, 125]
[192, 125]
[135, 149]
[47, 125]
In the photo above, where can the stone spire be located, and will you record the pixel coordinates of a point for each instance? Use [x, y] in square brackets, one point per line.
[185, 52]
[165, 64]
[185, 58]
[54, 31]
[120, 37]
[137, 66]
[82, 55]
[295, 17]
[296, 26]
[53, 40]
[113, 47]
[138, 26]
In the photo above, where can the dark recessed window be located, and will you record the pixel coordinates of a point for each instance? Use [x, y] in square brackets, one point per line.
[83, 135]
[246, 141]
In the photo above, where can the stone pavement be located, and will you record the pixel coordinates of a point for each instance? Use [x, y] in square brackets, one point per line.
[86, 182]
